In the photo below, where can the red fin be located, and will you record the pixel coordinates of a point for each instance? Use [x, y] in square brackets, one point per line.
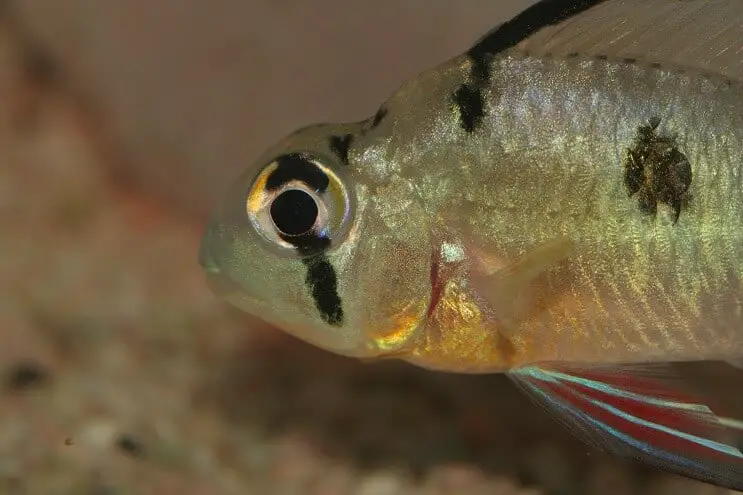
[641, 413]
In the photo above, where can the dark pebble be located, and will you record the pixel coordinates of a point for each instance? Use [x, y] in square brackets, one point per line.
[130, 445]
[24, 376]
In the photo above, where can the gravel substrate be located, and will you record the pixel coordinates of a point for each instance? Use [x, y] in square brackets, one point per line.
[122, 374]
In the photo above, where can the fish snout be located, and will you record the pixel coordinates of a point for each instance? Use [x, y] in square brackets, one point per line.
[206, 255]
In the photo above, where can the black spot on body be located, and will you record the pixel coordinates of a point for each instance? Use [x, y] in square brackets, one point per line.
[471, 104]
[629, 60]
[509, 34]
[602, 57]
[297, 167]
[322, 281]
[341, 145]
[657, 171]
[634, 173]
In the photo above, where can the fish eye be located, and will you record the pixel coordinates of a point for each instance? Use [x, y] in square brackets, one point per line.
[294, 212]
[299, 206]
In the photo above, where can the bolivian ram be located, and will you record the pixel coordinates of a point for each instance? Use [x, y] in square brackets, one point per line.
[562, 203]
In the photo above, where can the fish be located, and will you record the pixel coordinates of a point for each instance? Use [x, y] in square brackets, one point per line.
[561, 203]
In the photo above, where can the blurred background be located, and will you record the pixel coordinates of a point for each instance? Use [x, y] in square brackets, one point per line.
[121, 121]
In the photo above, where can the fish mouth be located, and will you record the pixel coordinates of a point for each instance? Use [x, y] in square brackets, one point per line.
[205, 255]
[207, 262]
[217, 281]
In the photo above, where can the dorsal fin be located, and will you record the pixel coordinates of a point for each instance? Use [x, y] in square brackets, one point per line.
[706, 35]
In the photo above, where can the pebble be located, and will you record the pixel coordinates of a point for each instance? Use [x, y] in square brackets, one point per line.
[336, 480]
[676, 485]
[548, 466]
[381, 484]
[26, 375]
[610, 478]
[455, 478]
[129, 445]
[98, 435]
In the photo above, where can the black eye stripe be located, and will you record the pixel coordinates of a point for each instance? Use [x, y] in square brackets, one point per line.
[295, 167]
[321, 278]
[322, 281]
[309, 244]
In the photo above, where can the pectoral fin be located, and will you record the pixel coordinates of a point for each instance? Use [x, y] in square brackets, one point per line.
[641, 413]
[515, 277]
[508, 289]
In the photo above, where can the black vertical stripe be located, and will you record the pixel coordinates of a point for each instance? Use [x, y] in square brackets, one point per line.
[471, 104]
[341, 145]
[379, 116]
[469, 97]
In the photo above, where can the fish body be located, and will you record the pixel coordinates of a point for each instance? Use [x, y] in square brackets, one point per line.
[548, 161]
[562, 203]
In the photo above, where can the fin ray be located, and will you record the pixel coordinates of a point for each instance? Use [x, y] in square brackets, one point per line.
[706, 35]
[507, 289]
[637, 412]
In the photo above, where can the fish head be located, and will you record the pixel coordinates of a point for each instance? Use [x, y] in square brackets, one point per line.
[303, 242]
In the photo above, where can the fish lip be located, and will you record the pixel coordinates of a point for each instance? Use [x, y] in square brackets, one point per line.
[206, 262]
[206, 256]
[217, 280]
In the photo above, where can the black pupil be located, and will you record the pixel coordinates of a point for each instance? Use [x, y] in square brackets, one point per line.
[294, 212]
